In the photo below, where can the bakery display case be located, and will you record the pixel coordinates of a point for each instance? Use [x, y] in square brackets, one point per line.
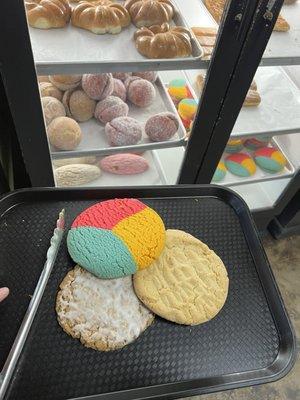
[182, 154]
[146, 99]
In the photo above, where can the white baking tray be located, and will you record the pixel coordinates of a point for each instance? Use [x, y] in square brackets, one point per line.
[283, 47]
[72, 50]
[260, 175]
[279, 110]
[153, 176]
[94, 140]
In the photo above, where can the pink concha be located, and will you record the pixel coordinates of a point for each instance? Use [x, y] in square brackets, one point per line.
[121, 75]
[119, 89]
[162, 126]
[110, 108]
[140, 91]
[99, 86]
[124, 164]
[123, 131]
[150, 76]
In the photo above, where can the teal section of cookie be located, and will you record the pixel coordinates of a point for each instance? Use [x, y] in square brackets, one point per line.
[100, 252]
[219, 175]
[268, 164]
[237, 169]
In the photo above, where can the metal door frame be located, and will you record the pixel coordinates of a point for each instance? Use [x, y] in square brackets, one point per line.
[244, 32]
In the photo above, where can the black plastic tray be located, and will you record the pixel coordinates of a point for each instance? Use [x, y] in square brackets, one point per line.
[250, 342]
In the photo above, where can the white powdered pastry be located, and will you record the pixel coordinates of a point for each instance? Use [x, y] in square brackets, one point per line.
[103, 314]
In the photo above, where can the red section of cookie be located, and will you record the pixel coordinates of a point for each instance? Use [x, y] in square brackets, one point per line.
[108, 213]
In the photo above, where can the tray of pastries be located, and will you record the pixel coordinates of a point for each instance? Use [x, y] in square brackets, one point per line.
[96, 114]
[154, 293]
[99, 35]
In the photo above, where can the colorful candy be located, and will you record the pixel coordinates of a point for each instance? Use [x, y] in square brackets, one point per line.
[270, 159]
[240, 164]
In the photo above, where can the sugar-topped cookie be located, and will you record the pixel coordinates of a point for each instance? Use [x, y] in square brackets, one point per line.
[103, 314]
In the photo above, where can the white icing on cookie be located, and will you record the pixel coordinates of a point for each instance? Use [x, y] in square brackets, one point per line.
[103, 314]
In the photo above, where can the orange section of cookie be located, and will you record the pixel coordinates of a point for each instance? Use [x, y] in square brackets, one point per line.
[144, 235]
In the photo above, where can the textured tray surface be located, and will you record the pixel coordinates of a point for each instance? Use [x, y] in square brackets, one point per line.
[242, 337]
[25, 233]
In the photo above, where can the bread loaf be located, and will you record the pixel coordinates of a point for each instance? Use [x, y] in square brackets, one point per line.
[124, 164]
[102, 16]
[43, 78]
[149, 12]
[76, 174]
[64, 133]
[77, 160]
[46, 14]
[163, 41]
[78, 105]
[252, 98]
[65, 82]
[52, 108]
[47, 89]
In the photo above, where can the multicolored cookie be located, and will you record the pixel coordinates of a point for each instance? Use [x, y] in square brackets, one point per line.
[187, 109]
[178, 90]
[254, 143]
[116, 238]
[270, 159]
[240, 164]
[234, 146]
[103, 314]
[220, 172]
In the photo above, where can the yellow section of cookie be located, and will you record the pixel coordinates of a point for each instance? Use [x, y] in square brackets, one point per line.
[144, 235]
[187, 284]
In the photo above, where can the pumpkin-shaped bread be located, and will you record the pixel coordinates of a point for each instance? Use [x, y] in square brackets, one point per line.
[100, 16]
[46, 14]
[163, 41]
[149, 12]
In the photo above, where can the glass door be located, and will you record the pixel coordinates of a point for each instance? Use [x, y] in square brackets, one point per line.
[261, 155]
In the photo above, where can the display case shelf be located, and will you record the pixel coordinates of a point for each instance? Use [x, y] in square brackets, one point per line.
[278, 112]
[72, 50]
[155, 175]
[283, 47]
[260, 176]
[94, 141]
